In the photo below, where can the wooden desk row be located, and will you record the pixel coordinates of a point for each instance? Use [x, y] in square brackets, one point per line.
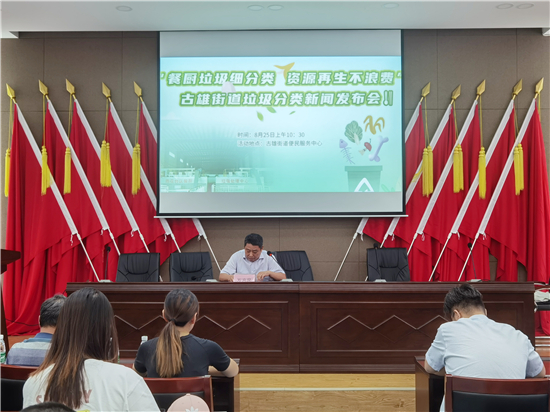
[317, 327]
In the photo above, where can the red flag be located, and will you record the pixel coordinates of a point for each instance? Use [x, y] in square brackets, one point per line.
[376, 227]
[537, 247]
[35, 223]
[121, 162]
[420, 259]
[112, 201]
[444, 204]
[81, 202]
[183, 229]
[473, 209]
[525, 236]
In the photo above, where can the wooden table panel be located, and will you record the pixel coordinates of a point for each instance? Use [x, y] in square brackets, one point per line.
[313, 326]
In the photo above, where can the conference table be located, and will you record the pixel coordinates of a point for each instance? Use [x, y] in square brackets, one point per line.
[312, 327]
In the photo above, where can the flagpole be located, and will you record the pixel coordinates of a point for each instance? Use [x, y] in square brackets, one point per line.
[200, 229]
[349, 248]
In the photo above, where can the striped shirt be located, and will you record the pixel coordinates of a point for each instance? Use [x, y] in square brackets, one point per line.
[30, 352]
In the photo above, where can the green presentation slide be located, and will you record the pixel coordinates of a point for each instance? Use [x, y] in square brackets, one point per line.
[281, 124]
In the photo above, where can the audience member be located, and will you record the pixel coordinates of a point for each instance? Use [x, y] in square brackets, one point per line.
[252, 260]
[474, 346]
[31, 352]
[80, 369]
[177, 353]
[48, 407]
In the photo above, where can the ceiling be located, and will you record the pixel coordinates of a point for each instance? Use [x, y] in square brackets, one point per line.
[108, 15]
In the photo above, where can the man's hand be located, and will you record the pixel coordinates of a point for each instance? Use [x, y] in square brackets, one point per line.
[261, 275]
[274, 275]
[224, 277]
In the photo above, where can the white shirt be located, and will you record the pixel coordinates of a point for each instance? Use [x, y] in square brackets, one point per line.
[238, 263]
[478, 347]
[109, 387]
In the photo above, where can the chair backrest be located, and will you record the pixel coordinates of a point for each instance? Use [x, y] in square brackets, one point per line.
[138, 267]
[190, 267]
[499, 395]
[12, 380]
[167, 390]
[390, 264]
[295, 264]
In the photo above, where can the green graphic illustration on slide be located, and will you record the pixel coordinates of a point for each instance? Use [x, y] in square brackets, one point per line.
[265, 124]
[364, 178]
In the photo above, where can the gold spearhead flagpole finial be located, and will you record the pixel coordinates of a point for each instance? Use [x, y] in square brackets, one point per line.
[137, 89]
[70, 87]
[517, 88]
[11, 92]
[481, 88]
[456, 93]
[426, 90]
[106, 91]
[538, 87]
[43, 88]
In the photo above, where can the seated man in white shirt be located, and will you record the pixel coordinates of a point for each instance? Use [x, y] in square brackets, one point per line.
[252, 260]
[474, 346]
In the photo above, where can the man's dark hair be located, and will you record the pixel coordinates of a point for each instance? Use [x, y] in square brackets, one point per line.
[48, 407]
[254, 239]
[49, 311]
[463, 297]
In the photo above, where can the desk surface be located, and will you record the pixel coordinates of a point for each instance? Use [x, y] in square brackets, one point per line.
[312, 326]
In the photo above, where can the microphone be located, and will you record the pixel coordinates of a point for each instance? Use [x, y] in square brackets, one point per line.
[272, 256]
[475, 279]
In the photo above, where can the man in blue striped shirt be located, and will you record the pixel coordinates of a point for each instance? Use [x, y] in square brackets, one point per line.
[31, 352]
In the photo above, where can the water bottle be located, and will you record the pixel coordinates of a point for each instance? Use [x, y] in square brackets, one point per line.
[143, 339]
[2, 350]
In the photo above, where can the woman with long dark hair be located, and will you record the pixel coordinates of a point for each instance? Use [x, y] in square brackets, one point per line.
[80, 369]
[176, 352]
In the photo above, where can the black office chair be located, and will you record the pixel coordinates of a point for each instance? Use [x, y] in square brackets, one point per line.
[190, 267]
[167, 390]
[390, 264]
[497, 395]
[295, 264]
[12, 382]
[138, 267]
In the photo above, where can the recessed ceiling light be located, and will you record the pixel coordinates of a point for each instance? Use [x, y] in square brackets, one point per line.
[391, 5]
[524, 6]
[124, 8]
[275, 7]
[255, 8]
[505, 6]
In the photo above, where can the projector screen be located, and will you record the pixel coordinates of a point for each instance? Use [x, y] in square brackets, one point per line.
[281, 123]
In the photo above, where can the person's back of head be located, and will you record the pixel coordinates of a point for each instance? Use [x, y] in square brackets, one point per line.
[180, 307]
[254, 239]
[85, 330]
[463, 301]
[48, 407]
[49, 311]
